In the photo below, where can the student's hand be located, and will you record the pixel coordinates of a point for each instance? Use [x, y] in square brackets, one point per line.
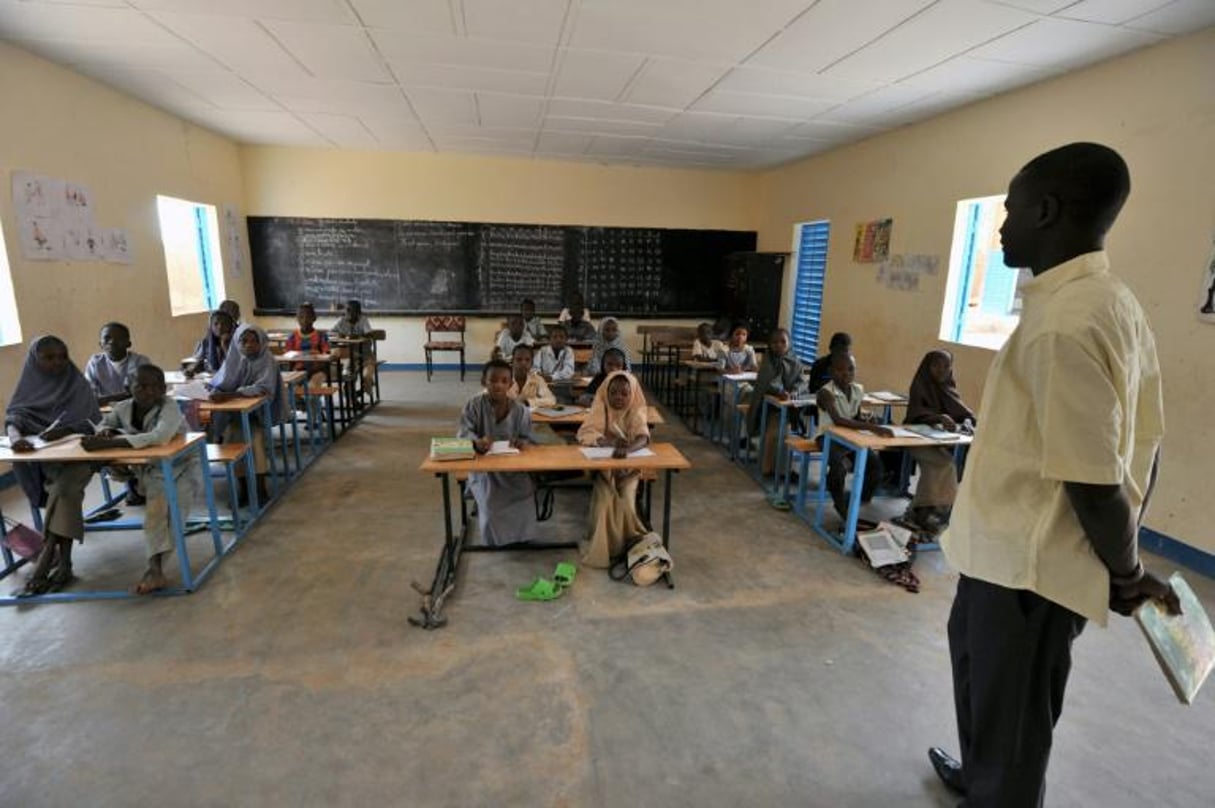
[56, 433]
[520, 443]
[22, 445]
[620, 451]
[882, 431]
[948, 424]
[108, 432]
[1126, 599]
[93, 443]
[606, 441]
[483, 445]
[219, 397]
[783, 395]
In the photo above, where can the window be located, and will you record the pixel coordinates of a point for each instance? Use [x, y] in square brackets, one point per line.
[10, 327]
[982, 304]
[810, 248]
[190, 233]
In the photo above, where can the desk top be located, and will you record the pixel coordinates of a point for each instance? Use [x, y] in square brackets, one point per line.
[560, 458]
[794, 403]
[700, 364]
[286, 359]
[72, 452]
[293, 376]
[871, 400]
[653, 416]
[868, 440]
[238, 404]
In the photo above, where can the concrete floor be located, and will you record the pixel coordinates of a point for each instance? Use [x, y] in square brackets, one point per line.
[777, 673]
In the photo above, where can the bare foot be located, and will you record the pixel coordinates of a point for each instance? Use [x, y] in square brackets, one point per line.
[152, 581]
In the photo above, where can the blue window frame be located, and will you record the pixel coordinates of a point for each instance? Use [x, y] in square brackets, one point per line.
[811, 240]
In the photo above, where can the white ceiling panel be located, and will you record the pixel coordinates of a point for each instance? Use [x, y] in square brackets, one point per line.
[558, 123]
[1111, 12]
[1056, 43]
[471, 79]
[408, 16]
[509, 110]
[965, 74]
[1178, 17]
[595, 74]
[330, 51]
[737, 83]
[327, 11]
[803, 85]
[436, 107]
[674, 82]
[346, 131]
[33, 21]
[223, 89]
[950, 27]
[536, 21]
[563, 143]
[605, 110]
[237, 43]
[832, 29]
[407, 49]
[730, 103]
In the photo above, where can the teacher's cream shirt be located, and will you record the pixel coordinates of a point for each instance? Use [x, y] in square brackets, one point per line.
[1074, 396]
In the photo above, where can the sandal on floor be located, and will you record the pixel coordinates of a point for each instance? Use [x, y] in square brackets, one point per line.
[34, 587]
[563, 576]
[539, 589]
[108, 515]
[779, 503]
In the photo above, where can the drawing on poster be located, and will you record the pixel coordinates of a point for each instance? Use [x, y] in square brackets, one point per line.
[872, 243]
[55, 222]
[41, 239]
[1206, 303]
[235, 225]
[902, 272]
[116, 246]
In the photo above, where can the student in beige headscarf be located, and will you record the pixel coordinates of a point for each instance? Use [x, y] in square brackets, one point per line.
[617, 418]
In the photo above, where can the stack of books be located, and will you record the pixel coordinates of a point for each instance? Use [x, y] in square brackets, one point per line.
[451, 449]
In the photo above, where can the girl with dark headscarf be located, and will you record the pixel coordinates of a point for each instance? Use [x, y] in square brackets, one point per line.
[52, 400]
[934, 400]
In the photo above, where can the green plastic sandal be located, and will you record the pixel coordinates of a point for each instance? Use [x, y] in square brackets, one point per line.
[539, 589]
[564, 574]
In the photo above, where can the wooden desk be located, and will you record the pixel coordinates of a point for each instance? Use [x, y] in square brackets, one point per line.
[887, 405]
[535, 459]
[653, 417]
[180, 449]
[784, 407]
[859, 443]
[244, 406]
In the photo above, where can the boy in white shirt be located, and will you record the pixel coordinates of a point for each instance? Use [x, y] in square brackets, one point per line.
[556, 360]
[514, 334]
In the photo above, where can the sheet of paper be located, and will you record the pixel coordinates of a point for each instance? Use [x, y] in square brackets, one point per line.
[886, 395]
[502, 447]
[39, 443]
[195, 389]
[901, 432]
[605, 452]
[553, 412]
[741, 377]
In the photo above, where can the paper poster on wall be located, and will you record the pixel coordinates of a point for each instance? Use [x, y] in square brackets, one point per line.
[235, 226]
[872, 243]
[116, 246]
[41, 239]
[1206, 303]
[36, 196]
[84, 243]
[902, 272]
[77, 206]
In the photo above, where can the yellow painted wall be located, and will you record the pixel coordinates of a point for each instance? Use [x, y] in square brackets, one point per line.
[1157, 108]
[282, 181]
[59, 123]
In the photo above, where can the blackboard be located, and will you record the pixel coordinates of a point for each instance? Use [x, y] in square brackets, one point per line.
[467, 267]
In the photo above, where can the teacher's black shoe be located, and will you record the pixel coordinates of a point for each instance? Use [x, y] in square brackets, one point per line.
[948, 769]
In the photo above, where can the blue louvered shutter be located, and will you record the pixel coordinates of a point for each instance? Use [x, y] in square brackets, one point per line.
[808, 293]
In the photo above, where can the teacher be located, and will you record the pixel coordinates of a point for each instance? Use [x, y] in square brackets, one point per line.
[1044, 531]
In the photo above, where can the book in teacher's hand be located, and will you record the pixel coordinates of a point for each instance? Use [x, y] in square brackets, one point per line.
[1184, 644]
[451, 449]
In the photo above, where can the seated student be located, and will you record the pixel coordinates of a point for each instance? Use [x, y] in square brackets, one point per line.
[839, 402]
[608, 338]
[527, 385]
[111, 372]
[52, 400]
[353, 323]
[820, 371]
[531, 321]
[307, 339]
[706, 347]
[150, 418]
[556, 360]
[576, 309]
[514, 334]
[250, 370]
[934, 400]
[579, 328]
[780, 375]
[613, 360]
[506, 506]
[232, 309]
[738, 356]
[618, 419]
[212, 349]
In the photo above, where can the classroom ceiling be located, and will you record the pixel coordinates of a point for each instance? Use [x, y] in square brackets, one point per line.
[720, 83]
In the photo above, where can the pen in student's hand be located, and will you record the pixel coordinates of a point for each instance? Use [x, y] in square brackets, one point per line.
[54, 424]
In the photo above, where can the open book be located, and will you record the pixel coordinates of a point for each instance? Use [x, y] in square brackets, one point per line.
[1183, 644]
[881, 546]
[502, 447]
[887, 396]
[605, 452]
[195, 389]
[749, 376]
